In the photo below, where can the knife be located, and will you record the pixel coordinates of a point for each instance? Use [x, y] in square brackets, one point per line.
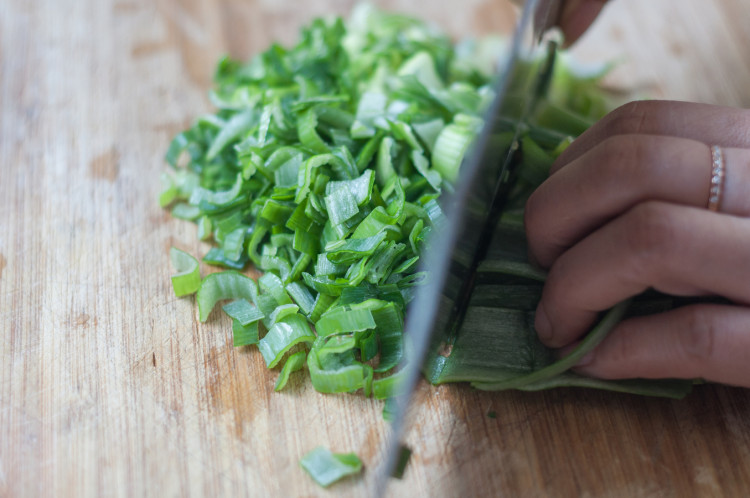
[472, 213]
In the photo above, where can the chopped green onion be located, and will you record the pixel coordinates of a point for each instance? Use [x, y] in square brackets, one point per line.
[404, 455]
[285, 333]
[326, 467]
[326, 165]
[242, 311]
[244, 335]
[188, 277]
[219, 286]
[295, 362]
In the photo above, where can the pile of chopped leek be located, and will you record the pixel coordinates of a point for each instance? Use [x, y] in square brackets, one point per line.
[324, 167]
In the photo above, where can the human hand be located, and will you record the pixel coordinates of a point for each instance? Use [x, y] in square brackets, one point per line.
[576, 16]
[624, 210]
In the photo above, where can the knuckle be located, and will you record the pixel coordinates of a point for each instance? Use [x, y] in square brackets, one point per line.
[650, 233]
[630, 118]
[697, 341]
[624, 160]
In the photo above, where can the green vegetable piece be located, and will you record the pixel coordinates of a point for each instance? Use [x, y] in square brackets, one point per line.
[169, 191]
[326, 467]
[342, 378]
[221, 198]
[244, 335]
[593, 339]
[429, 131]
[282, 311]
[215, 256]
[295, 362]
[204, 228]
[388, 387]
[389, 409]
[287, 332]
[451, 147]
[302, 296]
[341, 205]
[225, 285]
[234, 244]
[344, 320]
[236, 126]
[322, 303]
[273, 285]
[349, 251]
[188, 277]
[272, 178]
[242, 311]
[185, 211]
[308, 135]
[385, 170]
[360, 188]
[404, 455]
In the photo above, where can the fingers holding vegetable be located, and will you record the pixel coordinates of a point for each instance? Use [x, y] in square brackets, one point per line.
[628, 208]
[674, 249]
[700, 341]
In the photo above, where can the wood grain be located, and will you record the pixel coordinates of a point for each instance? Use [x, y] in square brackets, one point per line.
[110, 387]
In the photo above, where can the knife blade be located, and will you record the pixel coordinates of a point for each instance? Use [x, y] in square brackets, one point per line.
[472, 213]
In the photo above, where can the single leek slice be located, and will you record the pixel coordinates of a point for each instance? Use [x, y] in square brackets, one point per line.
[244, 335]
[273, 285]
[404, 455]
[242, 311]
[293, 363]
[302, 296]
[330, 378]
[287, 332]
[234, 128]
[225, 285]
[308, 134]
[352, 250]
[188, 277]
[326, 467]
[451, 146]
[387, 387]
[201, 195]
[185, 211]
[282, 311]
[343, 320]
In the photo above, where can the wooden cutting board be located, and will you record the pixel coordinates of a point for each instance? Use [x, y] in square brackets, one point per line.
[110, 387]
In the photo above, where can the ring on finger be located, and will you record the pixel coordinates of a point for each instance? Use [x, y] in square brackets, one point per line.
[717, 178]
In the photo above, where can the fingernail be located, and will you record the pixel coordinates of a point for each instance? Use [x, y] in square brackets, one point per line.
[542, 324]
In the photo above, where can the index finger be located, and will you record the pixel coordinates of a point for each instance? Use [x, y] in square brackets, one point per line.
[712, 124]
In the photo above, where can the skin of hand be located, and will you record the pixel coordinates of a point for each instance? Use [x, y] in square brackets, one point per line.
[576, 16]
[623, 211]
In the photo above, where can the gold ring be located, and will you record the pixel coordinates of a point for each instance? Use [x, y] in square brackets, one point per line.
[717, 178]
